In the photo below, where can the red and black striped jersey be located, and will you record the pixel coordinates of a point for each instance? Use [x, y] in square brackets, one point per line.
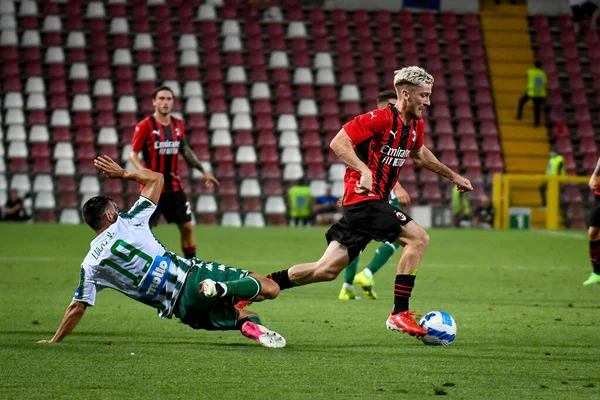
[383, 143]
[160, 145]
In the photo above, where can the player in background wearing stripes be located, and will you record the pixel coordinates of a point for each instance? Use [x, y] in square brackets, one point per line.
[161, 137]
[125, 256]
[398, 198]
[594, 229]
[374, 146]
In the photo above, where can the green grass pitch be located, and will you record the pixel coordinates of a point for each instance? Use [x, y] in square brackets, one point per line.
[527, 328]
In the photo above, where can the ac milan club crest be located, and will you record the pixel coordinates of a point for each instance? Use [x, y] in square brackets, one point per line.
[400, 216]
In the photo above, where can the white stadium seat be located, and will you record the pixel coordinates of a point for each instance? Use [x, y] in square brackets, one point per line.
[317, 187]
[95, 9]
[44, 200]
[188, 41]
[127, 104]
[31, 39]
[242, 122]
[69, 216]
[337, 172]
[221, 138]
[63, 150]
[13, 100]
[8, 22]
[287, 122]
[43, 183]
[232, 43]
[230, 27]
[189, 58]
[236, 74]
[206, 12]
[216, 3]
[292, 172]
[273, 13]
[119, 26]
[325, 76]
[250, 188]
[278, 59]
[303, 76]
[322, 60]
[291, 155]
[17, 149]
[35, 84]
[197, 174]
[108, 135]
[206, 203]
[146, 73]
[245, 154]
[103, 87]
[52, 23]
[16, 133]
[36, 101]
[55, 55]
[81, 102]
[349, 92]
[8, 37]
[28, 9]
[260, 90]
[3, 184]
[125, 152]
[64, 167]
[307, 107]
[122, 57]
[218, 121]
[254, 220]
[289, 138]
[296, 29]
[78, 71]
[20, 182]
[143, 41]
[195, 105]
[76, 40]
[174, 85]
[231, 219]
[239, 105]
[337, 189]
[39, 134]
[60, 118]
[275, 205]
[7, 7]
[192, 88]
[89, 184]
[14, 116]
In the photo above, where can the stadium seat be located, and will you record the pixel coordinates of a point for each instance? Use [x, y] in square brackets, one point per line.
[250, 188]
[231, 219]
[206, 204]
[69, 216]
[17, 149]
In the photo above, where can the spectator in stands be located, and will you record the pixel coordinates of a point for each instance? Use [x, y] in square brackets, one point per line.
[583, 9]
[14, 210]
[484, 214]
[325, 209]
[556, 167]
[300, 204]
[536, 90]
[461, 209]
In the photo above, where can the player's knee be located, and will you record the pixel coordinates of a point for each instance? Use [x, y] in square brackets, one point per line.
[186, 228]
[269, 289]
[421, 240]
[593, 233]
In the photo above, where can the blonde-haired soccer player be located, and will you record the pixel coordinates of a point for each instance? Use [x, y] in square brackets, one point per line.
[374, 146]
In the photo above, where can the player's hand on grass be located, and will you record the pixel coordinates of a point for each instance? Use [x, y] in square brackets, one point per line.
[109, 168]
[462, 184]
[46, 341]
[210, 179]
[365, 184]
[593, 182]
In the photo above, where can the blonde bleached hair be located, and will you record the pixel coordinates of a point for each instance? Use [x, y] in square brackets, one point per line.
[412, 76]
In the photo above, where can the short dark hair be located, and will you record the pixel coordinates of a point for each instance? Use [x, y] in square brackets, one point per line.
[387, 95]
[161, 88]
[538, 64]
[93, 211]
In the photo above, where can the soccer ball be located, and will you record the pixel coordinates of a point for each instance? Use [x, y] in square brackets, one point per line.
[440, 326]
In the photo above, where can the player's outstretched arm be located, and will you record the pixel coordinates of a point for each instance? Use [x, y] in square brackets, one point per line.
[72, 317]
[425, 159]
[190, 157]
[153, 181]
[342, 146]
[594, 178]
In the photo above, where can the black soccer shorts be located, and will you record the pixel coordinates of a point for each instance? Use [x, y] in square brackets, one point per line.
[174, 206]
[595, 214]
[366, 221]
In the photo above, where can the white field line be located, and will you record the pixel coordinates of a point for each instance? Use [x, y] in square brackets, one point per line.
[567, 234]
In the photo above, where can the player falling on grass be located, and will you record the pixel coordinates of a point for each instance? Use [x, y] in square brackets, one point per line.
[398, 197]
[125, 256]
[161, 137]
[594, 229]
[374, 146]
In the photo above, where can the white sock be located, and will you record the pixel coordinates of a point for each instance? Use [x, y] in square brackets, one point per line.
[348, 286]
[368, 273]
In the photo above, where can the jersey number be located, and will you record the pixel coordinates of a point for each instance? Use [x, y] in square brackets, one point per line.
[127, 257]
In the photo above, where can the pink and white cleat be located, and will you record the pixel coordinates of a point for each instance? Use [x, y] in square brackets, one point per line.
[262, 335]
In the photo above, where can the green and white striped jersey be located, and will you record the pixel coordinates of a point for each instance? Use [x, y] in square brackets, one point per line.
[128, 258]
